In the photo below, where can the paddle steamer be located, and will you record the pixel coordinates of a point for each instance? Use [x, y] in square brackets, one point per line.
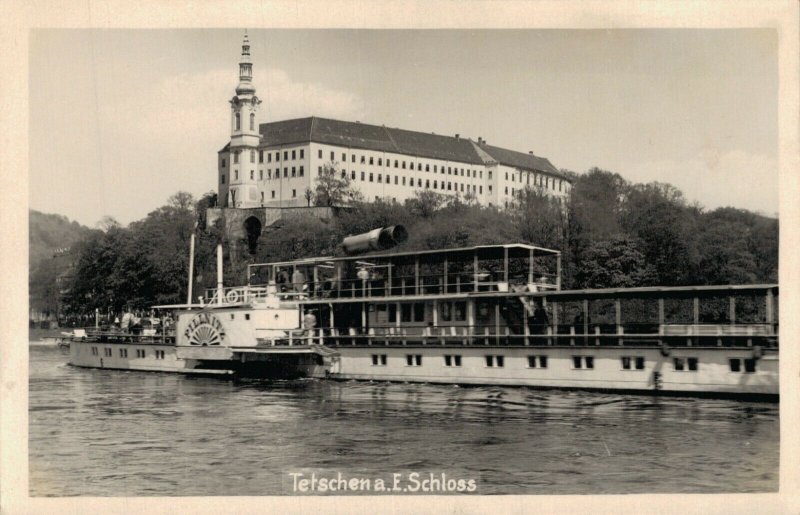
[489, 315]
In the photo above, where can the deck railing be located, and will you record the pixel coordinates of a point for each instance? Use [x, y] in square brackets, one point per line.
[372, 288]
[704, 335]
[145, 336]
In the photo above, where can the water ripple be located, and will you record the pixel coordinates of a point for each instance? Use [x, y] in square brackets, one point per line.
[112, 433]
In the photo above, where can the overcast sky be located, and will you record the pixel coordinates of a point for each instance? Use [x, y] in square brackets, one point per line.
[122, 119]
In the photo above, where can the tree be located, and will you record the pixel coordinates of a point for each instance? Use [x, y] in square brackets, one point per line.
[724, 254]
[596, 203]
[309, 196]
[657, 215]
[538, 218]
[299, 237]
[615, 263]
[181, 200]
[107, 223]
[207, 201]
[425, 203]
[334, 189]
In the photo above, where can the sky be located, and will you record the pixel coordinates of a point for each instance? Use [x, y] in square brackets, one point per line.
[122, 119]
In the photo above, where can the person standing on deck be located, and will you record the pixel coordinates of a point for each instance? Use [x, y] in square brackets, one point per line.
[540, 319]
[298, 281]
[127, 321]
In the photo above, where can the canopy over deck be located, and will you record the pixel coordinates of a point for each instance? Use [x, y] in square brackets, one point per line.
[452, 270]
[482, 252]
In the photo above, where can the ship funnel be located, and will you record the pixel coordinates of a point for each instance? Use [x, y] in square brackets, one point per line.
[383, 238]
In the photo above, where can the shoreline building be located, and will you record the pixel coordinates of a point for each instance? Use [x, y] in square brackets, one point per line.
[275, 164]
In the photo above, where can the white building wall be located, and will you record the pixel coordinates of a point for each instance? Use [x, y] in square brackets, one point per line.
[281, 175]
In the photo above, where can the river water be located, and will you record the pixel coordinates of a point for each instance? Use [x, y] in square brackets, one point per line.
[117, 433]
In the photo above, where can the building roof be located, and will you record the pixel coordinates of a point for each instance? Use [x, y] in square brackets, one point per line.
[387, 139]
[520, 159]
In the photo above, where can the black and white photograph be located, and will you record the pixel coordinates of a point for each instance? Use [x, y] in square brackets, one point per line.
[353, 264]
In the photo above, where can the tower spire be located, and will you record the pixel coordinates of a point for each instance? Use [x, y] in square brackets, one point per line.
[245, 69]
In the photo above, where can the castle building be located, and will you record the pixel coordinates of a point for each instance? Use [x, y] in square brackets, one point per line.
[276, 164]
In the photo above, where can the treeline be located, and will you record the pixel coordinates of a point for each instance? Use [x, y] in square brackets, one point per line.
[50, 241]
[612, 234]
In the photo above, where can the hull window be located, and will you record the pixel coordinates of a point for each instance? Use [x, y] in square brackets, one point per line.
[583, 362]
[537, 361]
[414, 360]
[452, 360]
[495, 361]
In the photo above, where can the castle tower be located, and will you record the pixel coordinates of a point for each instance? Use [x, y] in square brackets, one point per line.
[241, 189]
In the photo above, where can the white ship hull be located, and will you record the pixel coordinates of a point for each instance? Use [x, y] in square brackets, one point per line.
[713, 374]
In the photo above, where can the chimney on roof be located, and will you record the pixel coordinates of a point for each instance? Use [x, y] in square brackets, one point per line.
[480, 140]
[530, 152]
[458, 136]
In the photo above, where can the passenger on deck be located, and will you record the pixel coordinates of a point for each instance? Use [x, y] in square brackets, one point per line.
[540, 320]
[127, 321]
[283, 280]
[363, 276]
[298, 281]
[309, 323]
